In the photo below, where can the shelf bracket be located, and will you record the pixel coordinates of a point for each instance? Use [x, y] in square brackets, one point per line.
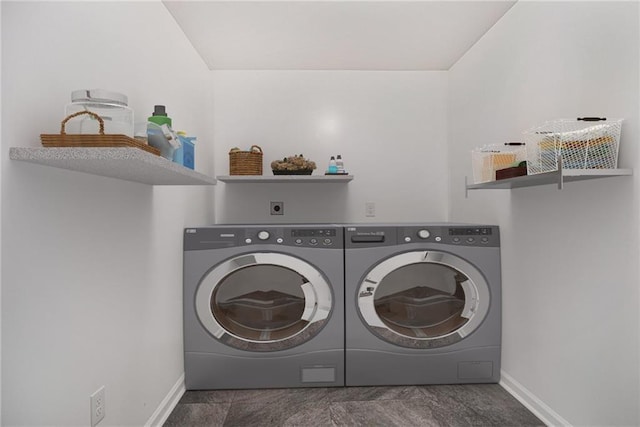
[560, 176]
[466, 187]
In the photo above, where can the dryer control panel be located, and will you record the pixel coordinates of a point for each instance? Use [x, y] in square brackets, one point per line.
[462, 235]
[326, 237]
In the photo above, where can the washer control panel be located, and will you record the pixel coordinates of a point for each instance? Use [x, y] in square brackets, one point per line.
[316, 237]
[325, 237]
[471, 235]
[462, 235]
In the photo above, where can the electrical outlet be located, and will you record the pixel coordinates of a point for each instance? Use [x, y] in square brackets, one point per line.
[98, 411]
[277, 208]
[370, 209]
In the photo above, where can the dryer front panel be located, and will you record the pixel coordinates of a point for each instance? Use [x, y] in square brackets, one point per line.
[423, 299]
[263, 301]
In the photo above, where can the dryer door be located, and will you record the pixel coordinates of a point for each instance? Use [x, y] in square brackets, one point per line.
[263, 301]
[423, 299]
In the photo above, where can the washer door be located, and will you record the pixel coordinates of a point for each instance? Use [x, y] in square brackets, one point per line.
[263, 301]
[423, 299]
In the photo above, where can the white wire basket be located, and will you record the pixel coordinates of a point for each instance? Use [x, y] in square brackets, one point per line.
[486, 160]
[584, 143]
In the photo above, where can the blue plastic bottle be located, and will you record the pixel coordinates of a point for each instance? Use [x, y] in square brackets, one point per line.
[333, 167]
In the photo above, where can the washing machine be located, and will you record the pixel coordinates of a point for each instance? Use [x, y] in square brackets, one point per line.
[263, 306]
[423, 304]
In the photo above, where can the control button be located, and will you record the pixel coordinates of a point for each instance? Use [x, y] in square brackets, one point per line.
[471, 239]
[279, 240]
[484, 240]
[298, 241]
[247, 240]
[313, 241]
[438, 239]
[424, 234]
[263, 235]
[327, 241]
[456, 240]
[407, 239]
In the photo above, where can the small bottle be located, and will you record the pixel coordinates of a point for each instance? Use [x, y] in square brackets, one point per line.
[333, 168]
[159, 116]
[340, 165]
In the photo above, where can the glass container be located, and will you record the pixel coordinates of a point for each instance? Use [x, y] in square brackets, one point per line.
[112, 107]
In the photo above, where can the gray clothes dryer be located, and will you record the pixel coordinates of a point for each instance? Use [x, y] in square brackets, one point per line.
[263, 306]
[423, 304]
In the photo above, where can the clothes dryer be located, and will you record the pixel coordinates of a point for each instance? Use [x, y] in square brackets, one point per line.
[263, 306]
[423, 304]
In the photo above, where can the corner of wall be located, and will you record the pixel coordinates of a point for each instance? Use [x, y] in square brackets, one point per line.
[164, 409]
[1, 160]
[531, 401]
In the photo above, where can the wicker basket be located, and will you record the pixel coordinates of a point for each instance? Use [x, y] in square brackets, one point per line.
[246, 162]
[64, 139]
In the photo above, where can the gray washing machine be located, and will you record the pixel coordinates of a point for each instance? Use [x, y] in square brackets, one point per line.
[263, 306]
[423, 304]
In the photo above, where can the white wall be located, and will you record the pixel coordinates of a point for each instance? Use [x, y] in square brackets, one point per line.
[92, 266]
[390, 128]
[570, 257]
[1, 161]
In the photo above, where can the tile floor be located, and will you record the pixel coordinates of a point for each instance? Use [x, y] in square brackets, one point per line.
[403, 406]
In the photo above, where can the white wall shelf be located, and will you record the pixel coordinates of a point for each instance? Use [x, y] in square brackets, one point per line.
[130, 164]
[268, 179]
[558, 177]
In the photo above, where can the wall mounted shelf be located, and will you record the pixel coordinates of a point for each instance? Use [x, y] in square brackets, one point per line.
[130, 164]
[558, 177]
[269, 179]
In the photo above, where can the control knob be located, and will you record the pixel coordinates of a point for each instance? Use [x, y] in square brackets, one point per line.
[424, 234]
[263, 235]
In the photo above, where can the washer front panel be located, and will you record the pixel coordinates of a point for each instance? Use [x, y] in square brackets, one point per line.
[263, 301]
[423, 299]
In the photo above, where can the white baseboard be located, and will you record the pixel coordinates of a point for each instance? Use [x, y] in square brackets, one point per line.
[167, 405]
[531, 402]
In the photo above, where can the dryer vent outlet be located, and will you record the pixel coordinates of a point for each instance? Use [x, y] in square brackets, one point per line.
[277, 208]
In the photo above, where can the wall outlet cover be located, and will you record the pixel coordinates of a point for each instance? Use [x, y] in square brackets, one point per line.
[97, 406]
[370, 209]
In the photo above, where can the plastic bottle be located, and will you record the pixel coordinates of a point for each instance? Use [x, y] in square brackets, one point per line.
[333, 168]
[340, 165]
[159, 116]
[178, 155]
[189, 156]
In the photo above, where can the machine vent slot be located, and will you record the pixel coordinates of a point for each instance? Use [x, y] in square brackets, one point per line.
[324, 374]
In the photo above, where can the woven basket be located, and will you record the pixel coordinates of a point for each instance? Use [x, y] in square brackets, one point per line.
[245, 162]
[92, 140]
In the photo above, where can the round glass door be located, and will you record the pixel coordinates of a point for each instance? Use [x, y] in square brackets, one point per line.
[423, 299]
[263, 301]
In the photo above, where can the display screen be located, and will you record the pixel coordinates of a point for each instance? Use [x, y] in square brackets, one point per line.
[313, 233]
[470, 231]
